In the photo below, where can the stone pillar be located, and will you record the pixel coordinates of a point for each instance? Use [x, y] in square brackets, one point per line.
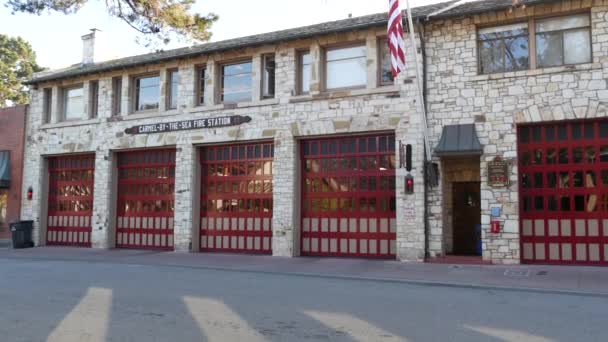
[372, 60]
[162, 101]
[187, 90]
[256, 76]
[184, 191]
[126, 106]
[410, 207]
[104, 201]
[56, 105]
[210, 82]
[316, 77]
[285, 232]
[105, 98]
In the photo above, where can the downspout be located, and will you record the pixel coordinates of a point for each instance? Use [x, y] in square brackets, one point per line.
[421, 32]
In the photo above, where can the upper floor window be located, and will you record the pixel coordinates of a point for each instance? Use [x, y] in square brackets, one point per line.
[73, 103]
[304, 62]
[200, 98]
[93, 99]
[268, 81]
[503, 48]
[172, 84]
[236, 82]
[386, 72]
[147, 92]
[563, 40]
[346, 67]
[116, 95]
[47, 103]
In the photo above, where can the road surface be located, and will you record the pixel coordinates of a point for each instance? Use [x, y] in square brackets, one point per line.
[64, 301]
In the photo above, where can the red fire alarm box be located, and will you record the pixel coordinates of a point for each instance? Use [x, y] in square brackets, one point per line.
[495, 227]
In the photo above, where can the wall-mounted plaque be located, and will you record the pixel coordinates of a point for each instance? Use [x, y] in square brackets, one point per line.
[498, 173]
[163, 127]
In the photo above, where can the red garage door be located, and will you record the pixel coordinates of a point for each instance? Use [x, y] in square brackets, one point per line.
[348, 197]
[70, 200]
[236, 198]
[563, 190]
[146, 186]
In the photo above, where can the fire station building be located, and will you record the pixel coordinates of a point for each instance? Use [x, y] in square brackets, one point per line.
[294, 143]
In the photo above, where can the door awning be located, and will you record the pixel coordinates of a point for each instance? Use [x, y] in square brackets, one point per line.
[5, 169]
[459, 140]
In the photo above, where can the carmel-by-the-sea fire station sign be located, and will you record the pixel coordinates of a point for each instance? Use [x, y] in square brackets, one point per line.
[163, 127]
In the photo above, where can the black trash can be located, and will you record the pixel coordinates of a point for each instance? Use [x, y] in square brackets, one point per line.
[22, 234]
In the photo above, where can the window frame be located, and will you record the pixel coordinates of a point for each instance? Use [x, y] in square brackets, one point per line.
[300, 70]
[93, 99]
[47, 105]
[64, 100]
[135, 92]
[265, 82]
[324, 63]
[382, 41]
[169, 86]
[200, 86]
[221, 82]
[116, 96]
[562, 31]
[532, 52]
[530, 46]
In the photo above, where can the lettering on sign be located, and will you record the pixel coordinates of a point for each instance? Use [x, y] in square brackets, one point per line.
[498, 173]
[163, 127]
[409, 211]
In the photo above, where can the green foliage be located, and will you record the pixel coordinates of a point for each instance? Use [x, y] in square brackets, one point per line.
[17, 64]
[155, 19]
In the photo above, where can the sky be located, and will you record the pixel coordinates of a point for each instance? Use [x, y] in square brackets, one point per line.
[56, 38]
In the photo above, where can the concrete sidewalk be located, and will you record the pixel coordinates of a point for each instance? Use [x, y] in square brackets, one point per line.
[556, 279]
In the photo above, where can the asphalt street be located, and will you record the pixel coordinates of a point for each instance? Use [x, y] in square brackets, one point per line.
[80, 301]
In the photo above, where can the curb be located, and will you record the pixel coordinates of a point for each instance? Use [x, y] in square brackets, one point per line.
[414, 282]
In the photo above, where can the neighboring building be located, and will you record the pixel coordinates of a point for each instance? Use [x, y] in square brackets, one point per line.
[12, 137]
[288, 142]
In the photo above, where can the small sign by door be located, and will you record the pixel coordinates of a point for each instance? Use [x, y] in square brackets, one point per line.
[498, 173]
[409, 211]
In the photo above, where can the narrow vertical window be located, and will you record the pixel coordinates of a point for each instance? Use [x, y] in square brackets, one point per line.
[202, 72]
[93, 99]
[116, 95]
[304, 62]
[47, 103]
[172, 84]
[386, 73]
[268, 82]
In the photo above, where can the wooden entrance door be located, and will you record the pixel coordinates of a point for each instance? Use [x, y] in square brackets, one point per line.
[466, 216]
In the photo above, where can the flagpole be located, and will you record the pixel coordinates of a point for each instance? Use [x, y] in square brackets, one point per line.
[419, 81]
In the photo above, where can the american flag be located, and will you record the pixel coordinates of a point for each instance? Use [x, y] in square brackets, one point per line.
[396, 44]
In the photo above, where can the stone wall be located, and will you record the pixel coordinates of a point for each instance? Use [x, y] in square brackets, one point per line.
[284, 119]
[496, 103]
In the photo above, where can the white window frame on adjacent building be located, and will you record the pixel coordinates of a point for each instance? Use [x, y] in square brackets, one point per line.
[572, 29]
[339, 62]
[73, 103]
[559, 31]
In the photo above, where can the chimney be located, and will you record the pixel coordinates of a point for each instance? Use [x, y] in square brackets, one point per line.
[88, 48]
